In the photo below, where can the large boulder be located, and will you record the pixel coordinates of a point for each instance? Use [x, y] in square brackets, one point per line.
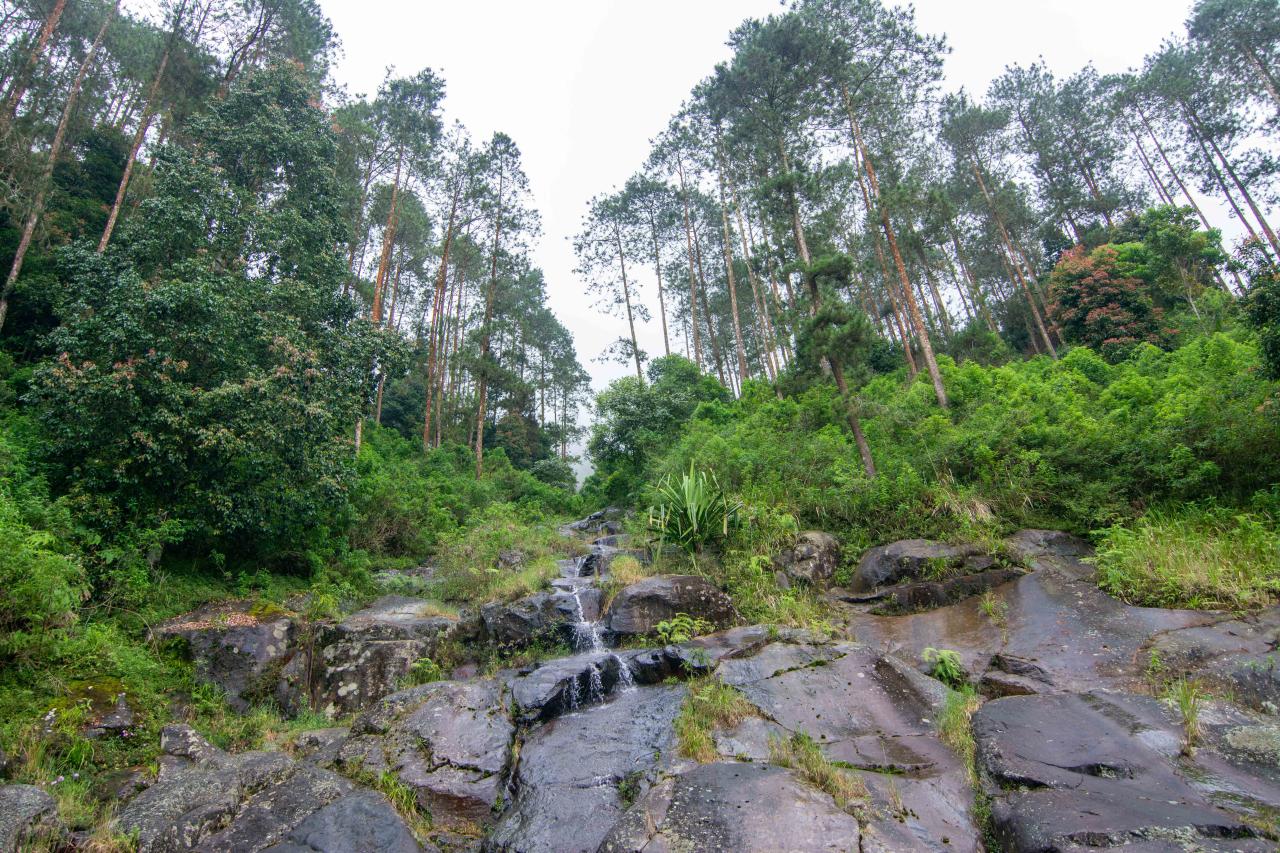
[568, 684]
[235, 646]
[210, 800]
[368, 654]
[1104, 770]
[813, 559]
[525, 621]
[448, 741]
[753, 808]
[913, 559]
[28, 819]
[639, 608]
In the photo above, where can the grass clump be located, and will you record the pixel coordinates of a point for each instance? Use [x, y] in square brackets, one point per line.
[1201, 558]
[710, 704]
[468, 569]
[1187, 697]
[944, 665]
[801, 753]
[954, 729]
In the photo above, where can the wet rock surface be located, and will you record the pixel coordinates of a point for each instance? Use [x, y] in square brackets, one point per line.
[639, 608]
[580, 752]
[566, 785]
[734, 806]
[1101, 770]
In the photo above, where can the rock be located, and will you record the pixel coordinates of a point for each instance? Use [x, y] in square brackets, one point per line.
[361, 821]
[235, 648]
[638, 608]
[910, 558]
[926, 595]
[367, 655]
[1026, 545]
[570, 769]
[532, 618]
[321, 746]
[209, 800]
[1104, 770]
[813, 559]
[120, 785]
[1237, 655]
[510, 561]
[866, 711]
[1055, 617]
[28, 819]
[732, 806]
[448, 741]
[567, 684]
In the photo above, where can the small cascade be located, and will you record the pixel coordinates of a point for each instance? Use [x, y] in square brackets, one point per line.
[626, 681]
[595, 685]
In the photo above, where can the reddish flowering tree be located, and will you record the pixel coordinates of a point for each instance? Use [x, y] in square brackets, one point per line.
[1095, 304]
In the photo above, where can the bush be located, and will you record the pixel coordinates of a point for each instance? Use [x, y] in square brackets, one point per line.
[693, 511]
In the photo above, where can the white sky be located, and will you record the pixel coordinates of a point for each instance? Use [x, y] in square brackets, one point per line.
[582, 85]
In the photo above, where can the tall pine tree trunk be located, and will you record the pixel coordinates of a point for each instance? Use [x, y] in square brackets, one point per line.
[926, 347]
[22, 79]
[693, 283]
[657, 271]
[626, 298]
[482, 396]
[46, 177]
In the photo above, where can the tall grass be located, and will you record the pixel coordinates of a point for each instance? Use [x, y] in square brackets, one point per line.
[1202, 558]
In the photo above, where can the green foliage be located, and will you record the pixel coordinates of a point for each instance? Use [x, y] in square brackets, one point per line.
[681, 628]
[424, 671]
[1205, 557]
[467, 560]
[955, 730]
[1187, 697]
[205, 388]
[692, 512]
[1262, 307]
[944, 665]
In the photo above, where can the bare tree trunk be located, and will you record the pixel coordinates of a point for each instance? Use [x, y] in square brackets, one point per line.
[727, 246]
[1235, 179]
[436, 320]
[23, 78]
[388, 239]
[482, 380]
[657, 271]
[693, 295]
[144, 122]
[55, 149]
[626, 297]
[926, 347]
[1004, 233]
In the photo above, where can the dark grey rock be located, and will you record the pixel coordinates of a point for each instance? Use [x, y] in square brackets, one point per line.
[564, 685]
[733, 806]
[360, 821]
[321, 746]
[367, 655]
[28, 818]
[566, 783]
[1026, 545]
[909, 559]
[639, 608]
[1097, 770]
[527, 620]
[233, 648]
[1241, 656]
[813, 559]
[928, 594]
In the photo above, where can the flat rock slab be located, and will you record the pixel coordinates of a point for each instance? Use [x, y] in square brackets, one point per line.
[867, 711]
[1055, 617]
[566, 783]
[1241, 656]
[1101, 770]
[751, 808]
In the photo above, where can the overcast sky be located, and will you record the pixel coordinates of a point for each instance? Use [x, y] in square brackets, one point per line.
[582, 85]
